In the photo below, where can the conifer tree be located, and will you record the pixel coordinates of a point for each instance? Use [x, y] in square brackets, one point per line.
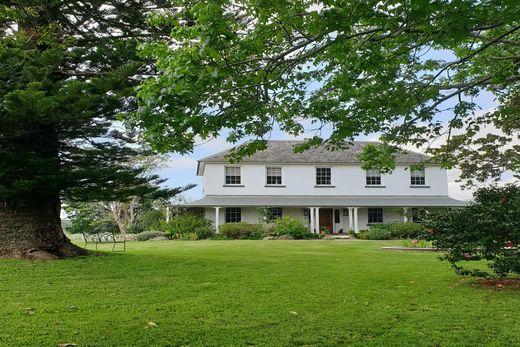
[68, 70]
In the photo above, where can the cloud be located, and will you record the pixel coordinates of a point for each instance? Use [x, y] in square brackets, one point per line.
[213, 145]
[181, 163]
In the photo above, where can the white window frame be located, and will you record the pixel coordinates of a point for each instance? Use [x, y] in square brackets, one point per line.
[226, 175]
[418, 174]
[316, 176]
[267, 175]
[373, 174]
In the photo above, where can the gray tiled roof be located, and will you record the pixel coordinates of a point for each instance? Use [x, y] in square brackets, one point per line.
[325, 201]
[283, 152]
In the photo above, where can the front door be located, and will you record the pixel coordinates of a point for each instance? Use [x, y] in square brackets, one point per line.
[326, 219]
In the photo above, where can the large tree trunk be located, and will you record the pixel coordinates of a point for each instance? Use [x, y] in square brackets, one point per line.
[32, 230]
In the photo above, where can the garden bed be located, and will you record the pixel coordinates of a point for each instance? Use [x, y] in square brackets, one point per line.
[413, 249]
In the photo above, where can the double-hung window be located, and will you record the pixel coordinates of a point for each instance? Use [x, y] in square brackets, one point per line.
[323, 176]
[233, 214]
[417, 177]
[373, 178]
[273, 176]
[375, 215]
[233, 175]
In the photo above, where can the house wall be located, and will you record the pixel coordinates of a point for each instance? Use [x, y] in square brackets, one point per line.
[250, 215]
[300, 180]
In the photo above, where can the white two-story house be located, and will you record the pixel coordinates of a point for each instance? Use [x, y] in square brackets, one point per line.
[325, 189]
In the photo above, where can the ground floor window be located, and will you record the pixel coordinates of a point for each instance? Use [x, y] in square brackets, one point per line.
[375, 215]
[417, 215]
[233, 214]
[273, 213]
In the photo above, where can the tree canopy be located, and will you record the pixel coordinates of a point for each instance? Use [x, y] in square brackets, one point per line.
[411, 71]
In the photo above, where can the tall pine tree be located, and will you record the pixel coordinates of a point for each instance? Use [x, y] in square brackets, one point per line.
[67, 70]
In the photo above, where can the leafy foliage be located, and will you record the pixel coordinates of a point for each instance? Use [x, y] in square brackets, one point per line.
[150, 220]
[379, 232]
[91, 218]
[416, 243]
[488, 229]
[291, 226]
[185, 225]
[362, 235]
[407, 230]
[148, 235]
[241, 230]
[353, 67]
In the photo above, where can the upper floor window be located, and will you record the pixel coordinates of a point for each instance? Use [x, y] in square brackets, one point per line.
[323, 176]
[274, 175]
[233, 214]
[233, 175]
[417, 177]
[373, 178]
[375, 215]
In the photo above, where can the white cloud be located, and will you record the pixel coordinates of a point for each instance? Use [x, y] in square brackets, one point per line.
[214, 145]
[181, 163]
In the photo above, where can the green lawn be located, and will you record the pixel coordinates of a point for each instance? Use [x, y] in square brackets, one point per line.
[274, 293]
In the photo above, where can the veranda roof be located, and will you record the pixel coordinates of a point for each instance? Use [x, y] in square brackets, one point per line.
[325, 201]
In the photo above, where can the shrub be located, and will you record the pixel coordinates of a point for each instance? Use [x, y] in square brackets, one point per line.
[189, 237]
[423, 244]
[241, 230]
[148, 235]
[380, 234]
[151, 220]
[185, 223]
[291, 226]
[408, 243]
[362, 235]
[269, 229]
[488, 229]
[204, 232]
[407, 230]
[416, 243]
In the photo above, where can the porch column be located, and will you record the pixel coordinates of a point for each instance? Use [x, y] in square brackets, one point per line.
[317, 220]
[311, 224]
[356, 224]
[217, 218]
[405, 214]
[350, 218]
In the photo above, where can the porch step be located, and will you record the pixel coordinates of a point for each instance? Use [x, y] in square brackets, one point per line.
[337, 237]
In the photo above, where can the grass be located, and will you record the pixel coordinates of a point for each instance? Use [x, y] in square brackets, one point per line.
[270, 293]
